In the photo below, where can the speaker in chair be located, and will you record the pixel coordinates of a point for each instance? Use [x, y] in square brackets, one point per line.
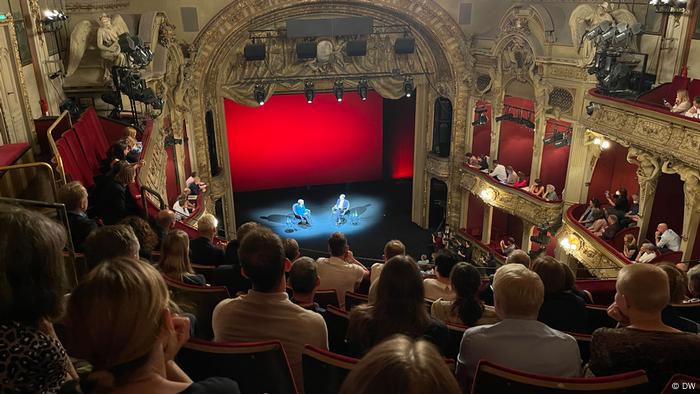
[356, 48]
[254, 52]
[306, 50]
[404, 45]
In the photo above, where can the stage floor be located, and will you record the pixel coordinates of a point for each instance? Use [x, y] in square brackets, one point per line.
[383, 212]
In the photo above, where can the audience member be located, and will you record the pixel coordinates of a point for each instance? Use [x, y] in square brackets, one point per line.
[464, 252]
[182, 206]
[507, 246]
[681, 104]
[340, 271]
[499, 172]
[467, 308]
[439, 287]
[694, 111]
[165, 221]
[600, 223]
[74, 196]
[472, 161]
[175, 259]
[116, 153]
[512, 177]
[612, 228]
[230, 273]
[619, 202]
[32, 284]
[266, 313]
[202, 249]
[550, 193]
[518, 256]
[391, 249]
[667, 239]
[399, 309]
[484, 162]
[587, 217]
[519, 341]
[694, 284]
[570, 285]
[401, 365]
[629, 246]
[537, 188]
[678, 292]
[291, 249]
[127, 331]
[195, 184]
[646, 342]
[632, 216]
[522, 180]
[109, 242]
[148, 240]
[561, 309]
[114, 200]
[647, 253]
[303, 279]
[232, 247]
[134, 149]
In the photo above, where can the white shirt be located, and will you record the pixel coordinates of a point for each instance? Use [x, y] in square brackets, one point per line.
[646, 257]
[336, 273]
[435, 289]
[499, 172]
[525, 345]
[180, 211]
[669, 239]
[260, 316]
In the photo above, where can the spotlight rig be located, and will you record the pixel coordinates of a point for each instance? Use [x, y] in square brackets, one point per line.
[309, 91]
[481, 117]
[259, 94]
[338, 90]
[362, 89]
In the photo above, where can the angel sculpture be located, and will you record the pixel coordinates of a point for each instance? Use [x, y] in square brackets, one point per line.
[585, 18]
[105, 37]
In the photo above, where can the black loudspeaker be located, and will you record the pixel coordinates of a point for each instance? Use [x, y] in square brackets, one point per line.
[356, 48]
[404, 45]
[306, 50]
[254, 52]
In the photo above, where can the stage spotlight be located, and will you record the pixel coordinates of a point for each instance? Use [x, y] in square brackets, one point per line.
[482, 119]
[309, 91]
[589, 109]
[362, 89]
[527, 123]
[254, 51]
[506, 116]
[259, 94]
[338, 90]
[603, 27]
[562, 141]
[408, 86]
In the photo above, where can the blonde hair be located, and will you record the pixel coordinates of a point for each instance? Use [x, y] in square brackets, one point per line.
[117, 314]
[682, 96]
[518, 291]
[130, 132]
[401, 365]
[550, 188]
[207, 223]
[72, 194]
[175, 255]
[645, 286]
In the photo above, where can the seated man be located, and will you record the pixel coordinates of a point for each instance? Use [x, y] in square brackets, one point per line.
[341, 271]
[666, 239]
[108, 242]
[202, 249]
[266, 313]
[303, 279]
[341, 207]
[74, 196]
[300, 212]
[519, 341]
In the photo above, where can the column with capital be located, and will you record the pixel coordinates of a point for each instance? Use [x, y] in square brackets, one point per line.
[691, 214]
[648, 171]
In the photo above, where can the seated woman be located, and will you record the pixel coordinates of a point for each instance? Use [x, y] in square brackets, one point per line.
[599, 222]
[399, 309]
[587, 217]
[629, 246]
[507, 246]
[561, 309]
[144, 233]
[644, 341]
[512, 176]
[619, 202]
[537, 188]
[681, 104]
[114, 200]
[612, 228]
[472, 161]
[647, 253]
[522, 182]
[467, 308]
[175, 259]
[120, 312]
[31, 278]
[550, 193]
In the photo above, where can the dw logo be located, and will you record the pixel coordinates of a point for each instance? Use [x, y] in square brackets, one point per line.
[683, 385]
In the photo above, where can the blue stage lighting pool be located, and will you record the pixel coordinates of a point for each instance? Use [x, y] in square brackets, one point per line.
[369, 212]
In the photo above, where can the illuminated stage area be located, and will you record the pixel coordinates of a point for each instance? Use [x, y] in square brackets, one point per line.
[379, 211]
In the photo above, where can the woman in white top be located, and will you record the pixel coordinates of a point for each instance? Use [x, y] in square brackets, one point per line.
[681, 104]
[467, 309]
[439, 287]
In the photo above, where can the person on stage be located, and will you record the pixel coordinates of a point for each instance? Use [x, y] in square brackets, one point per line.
[300, 212]
[340, 208]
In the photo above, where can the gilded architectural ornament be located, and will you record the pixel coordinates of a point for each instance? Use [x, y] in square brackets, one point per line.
[87, 6]
[517, 59]
[515, 202]
[166, 33]
[568, 72]
[586, 17]
[438, 166]
[599, 261]
[691, 184]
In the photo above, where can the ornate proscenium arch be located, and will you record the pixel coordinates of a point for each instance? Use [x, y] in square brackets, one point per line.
[442, 46]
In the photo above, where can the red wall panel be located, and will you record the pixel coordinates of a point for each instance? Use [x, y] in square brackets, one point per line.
[515, 144]
[399, 130]
[668, 204]
[555, 160]
[611, 171]
[475, 216]
[289, 143]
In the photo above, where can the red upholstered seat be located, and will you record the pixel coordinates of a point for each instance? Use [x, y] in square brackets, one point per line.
[337, 322]
[668, 257]
[689, 311]
[492, 378]
[91, 146]
[257, 367]
[598, 317]
[325, 297]
[618, 240]
[584, 345]
[602, 290]
[70, 166]
[455, 332]
[353, 299]
[324, 371]
[80, 158]
[94, 127]
[200, 301]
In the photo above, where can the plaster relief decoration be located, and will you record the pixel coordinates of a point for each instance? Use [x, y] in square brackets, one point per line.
[87, 34]
[599, 262]
[438, 166]
[78, 6]
[517, 59]
[585, 18]
[691, 184]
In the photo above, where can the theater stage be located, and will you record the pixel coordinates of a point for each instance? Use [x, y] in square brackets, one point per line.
[383, 212]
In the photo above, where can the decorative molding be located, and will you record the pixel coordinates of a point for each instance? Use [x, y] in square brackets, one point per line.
[651, 131]
[438, 166]
[87, 6]
[514, 201]
[566, 72]
[598, 260]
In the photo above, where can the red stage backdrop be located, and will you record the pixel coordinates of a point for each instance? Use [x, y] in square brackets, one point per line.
[288, 142]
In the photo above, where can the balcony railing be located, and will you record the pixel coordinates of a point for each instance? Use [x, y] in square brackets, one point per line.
[599, 257]
[648, 126]
[438, 166]
[515, 201]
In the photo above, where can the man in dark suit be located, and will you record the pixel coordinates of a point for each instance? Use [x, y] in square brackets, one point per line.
[202, 250]
[74, 196]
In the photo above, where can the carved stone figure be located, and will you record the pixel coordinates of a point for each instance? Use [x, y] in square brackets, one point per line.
[517, 57]
[105, 37]
[691, 183]
[585, 18]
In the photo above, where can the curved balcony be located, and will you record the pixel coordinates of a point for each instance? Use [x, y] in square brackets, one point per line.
[515, 201]
[601, 258]
[647, 124]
